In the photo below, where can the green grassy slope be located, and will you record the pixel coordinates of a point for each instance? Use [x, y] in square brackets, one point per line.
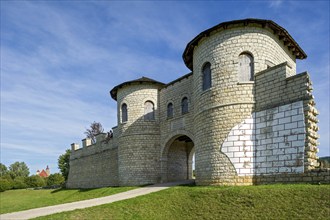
[252, 202]
[23, 199]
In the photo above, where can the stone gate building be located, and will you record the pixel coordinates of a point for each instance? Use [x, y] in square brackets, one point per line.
[243, 112]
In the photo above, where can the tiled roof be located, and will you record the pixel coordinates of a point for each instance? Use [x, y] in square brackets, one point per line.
[43, 173]
[277, 30]
[141, 80]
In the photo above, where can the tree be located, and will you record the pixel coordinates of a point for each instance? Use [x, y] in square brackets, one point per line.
[19, 183]
[95, 129]
[5, 184]
[18, 169]
[3, 169]
[35, 181]
[55, 179]
[64, 163]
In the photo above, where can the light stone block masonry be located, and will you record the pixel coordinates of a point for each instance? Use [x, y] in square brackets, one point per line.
[243, 113]
[271, 141]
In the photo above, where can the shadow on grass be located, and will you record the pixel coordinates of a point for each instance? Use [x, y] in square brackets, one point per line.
[190, 184]
[64, 189]
[185, 183]
[80, 189]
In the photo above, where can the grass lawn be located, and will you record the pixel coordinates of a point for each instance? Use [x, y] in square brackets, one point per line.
[184, 202]
[23, 199]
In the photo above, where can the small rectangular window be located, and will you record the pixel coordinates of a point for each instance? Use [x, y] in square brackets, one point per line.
[207, 77]
[184, 105]
[124, 115]
[170, 110]
[245, 68]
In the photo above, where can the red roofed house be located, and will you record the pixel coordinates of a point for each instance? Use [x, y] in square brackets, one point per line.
[44, 173]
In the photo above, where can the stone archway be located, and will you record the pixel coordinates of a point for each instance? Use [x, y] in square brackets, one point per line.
[177, 159]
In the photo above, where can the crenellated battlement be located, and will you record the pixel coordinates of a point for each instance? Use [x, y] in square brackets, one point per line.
[101, 144]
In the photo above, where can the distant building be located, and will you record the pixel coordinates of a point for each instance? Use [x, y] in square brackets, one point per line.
[44, 173]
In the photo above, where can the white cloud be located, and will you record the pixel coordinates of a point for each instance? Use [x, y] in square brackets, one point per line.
[54, 82]
[275, 3]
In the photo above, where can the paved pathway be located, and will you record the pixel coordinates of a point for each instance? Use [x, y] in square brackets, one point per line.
[33, 213]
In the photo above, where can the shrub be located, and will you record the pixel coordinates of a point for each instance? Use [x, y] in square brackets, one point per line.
[19, 183]
[64, 163]
[324, 162]
[35, 181]
[55, 179]
[5, 184]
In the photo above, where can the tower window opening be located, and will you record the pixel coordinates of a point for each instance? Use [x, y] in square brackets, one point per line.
[124, 115]
[170, 110]
[245, 67]
[184, 105]
[207, 77]
[149, 111]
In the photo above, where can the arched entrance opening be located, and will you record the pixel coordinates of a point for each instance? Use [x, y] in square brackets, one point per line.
[177, 159]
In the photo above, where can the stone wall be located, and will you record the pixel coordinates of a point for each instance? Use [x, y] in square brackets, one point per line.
[177, 159]
[94, 165]
[239, 147]
[174, 158]
[280, 137]
[174, 93]
[139, 139]
[275, 87]
[228, 102]
[315, 176]
[139, 162]
[271, 141]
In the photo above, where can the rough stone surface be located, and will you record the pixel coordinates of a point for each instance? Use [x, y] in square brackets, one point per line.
[241, 133]
[269, 142]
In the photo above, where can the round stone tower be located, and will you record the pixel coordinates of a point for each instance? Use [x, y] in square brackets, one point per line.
[138, 131]
[224, 60]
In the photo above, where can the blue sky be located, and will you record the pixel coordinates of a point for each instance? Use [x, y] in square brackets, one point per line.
[59, 60]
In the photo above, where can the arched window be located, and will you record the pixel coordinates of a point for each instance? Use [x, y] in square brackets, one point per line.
[245, 68]
[207, 78]
[169, 110]
[124, 116]
[184, 105]
[149, 111]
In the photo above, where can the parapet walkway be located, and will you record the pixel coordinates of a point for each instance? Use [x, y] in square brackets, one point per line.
[33, 213]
